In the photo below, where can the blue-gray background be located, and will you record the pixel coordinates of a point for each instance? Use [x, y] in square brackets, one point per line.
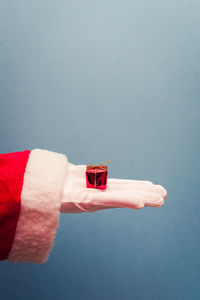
[100, 80]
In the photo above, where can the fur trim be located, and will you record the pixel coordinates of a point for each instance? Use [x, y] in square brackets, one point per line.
[40, 206]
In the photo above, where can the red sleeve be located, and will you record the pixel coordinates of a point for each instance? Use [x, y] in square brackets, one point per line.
[12, 168]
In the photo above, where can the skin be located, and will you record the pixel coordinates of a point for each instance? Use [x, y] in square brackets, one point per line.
[120, 193]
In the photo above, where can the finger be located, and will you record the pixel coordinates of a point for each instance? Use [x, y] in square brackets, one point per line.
[137, 186]
[128, 181]
[130, 199]
[159, 202]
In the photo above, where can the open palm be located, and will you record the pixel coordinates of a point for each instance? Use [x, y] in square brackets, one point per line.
[120, 193]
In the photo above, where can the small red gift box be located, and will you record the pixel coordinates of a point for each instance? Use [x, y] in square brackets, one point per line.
[96, 176]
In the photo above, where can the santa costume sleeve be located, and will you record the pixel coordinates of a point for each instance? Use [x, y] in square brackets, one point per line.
[31, 184]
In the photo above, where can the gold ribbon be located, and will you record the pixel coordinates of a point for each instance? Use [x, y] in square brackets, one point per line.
[91, 166]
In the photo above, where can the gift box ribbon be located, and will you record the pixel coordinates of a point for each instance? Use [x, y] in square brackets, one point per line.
[91, 166]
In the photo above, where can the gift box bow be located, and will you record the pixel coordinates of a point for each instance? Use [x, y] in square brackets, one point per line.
[100, 166]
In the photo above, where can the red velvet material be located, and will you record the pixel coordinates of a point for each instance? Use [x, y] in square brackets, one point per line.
[12, 168]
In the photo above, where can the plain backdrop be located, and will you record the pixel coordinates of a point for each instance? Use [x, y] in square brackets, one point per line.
[109, 80]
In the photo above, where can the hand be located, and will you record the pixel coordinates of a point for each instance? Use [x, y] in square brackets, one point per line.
[120, 193]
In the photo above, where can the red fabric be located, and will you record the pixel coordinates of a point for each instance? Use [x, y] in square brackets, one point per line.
[12, 168]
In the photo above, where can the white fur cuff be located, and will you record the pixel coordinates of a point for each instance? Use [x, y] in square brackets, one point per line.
[40, 206]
